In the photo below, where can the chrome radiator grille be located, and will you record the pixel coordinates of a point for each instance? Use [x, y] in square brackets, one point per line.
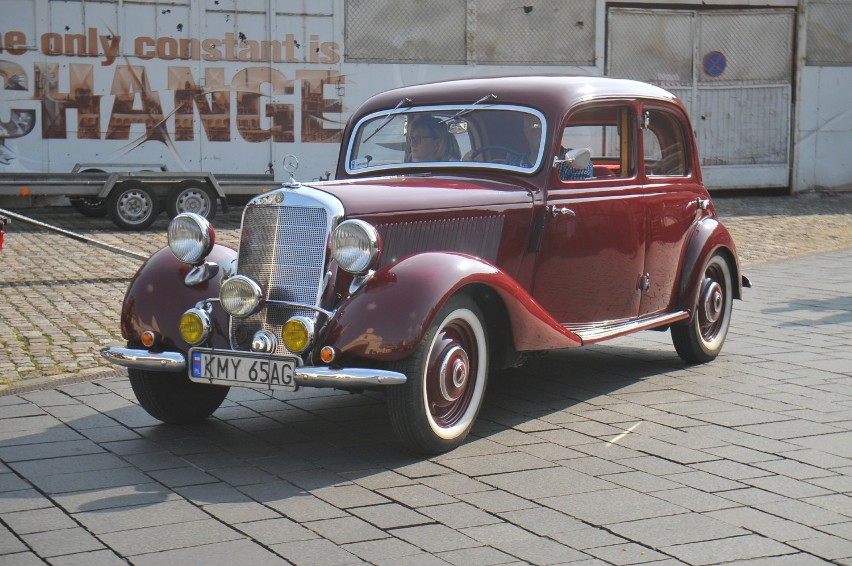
[283, 249]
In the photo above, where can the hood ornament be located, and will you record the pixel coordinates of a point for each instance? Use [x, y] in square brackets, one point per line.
[291, 163]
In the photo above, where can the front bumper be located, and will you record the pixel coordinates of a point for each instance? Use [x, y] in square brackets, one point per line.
[342, 378]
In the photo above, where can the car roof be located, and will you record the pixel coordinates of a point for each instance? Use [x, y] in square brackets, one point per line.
[547, 92]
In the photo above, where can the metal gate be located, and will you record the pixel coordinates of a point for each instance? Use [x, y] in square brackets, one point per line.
[733, 69]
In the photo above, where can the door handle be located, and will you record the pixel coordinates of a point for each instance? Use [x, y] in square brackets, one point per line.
[556, 211]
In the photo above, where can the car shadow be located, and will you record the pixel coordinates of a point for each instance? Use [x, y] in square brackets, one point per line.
[289, 451]
[818, 312]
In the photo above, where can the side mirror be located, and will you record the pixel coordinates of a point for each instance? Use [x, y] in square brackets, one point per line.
[576, 158]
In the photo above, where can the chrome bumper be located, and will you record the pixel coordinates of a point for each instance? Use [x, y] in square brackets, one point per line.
[343, 378]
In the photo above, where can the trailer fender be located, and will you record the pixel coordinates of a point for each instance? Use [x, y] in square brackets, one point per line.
[157, 297]
[387, 317]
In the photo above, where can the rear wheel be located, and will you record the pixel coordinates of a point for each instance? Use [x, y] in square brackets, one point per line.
[192, 196]
[173, 398]
[90, 207]
[701, 340]
[133, 205]
[435, 409]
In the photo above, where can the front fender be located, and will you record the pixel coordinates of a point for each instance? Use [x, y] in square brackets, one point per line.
[388, 317]
[709, 237]
[158, 296]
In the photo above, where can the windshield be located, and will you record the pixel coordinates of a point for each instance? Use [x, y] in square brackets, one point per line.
[492, 136]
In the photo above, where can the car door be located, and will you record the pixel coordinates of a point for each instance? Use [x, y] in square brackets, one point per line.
[592, 250]
[673, 203]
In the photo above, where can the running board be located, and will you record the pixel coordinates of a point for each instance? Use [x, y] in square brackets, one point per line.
[598, 332]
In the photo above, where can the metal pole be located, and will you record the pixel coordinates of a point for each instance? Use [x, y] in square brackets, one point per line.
[74, 236]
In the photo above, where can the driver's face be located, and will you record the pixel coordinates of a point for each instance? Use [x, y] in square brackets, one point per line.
[424, 146]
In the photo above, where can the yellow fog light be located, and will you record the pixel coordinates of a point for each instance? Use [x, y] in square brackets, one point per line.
[195, 326]
[298, 333]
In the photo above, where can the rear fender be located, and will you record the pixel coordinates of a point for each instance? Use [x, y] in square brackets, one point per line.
[158, 296]
[387, 318]
[709, 237]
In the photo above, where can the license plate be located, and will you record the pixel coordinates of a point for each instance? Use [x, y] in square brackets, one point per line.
[260, 371]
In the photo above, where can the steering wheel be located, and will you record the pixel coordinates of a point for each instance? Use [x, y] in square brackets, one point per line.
[520, 158]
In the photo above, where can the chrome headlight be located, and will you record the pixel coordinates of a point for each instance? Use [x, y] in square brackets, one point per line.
[240, 296]
[191, 237]
[355, 246]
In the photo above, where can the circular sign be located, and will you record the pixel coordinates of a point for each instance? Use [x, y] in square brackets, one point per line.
[715, 63]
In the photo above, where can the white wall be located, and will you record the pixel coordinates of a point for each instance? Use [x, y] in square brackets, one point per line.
[823, 150]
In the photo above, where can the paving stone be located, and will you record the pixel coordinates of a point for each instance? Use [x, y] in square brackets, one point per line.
[68, 465]
[496, 463]
[694, 500]
[114, 519]
[103, 479]
[49, 449]
[659, 532]
[434, 538]
[347, 496]
[545, 482]
[123, 496]
[215, 554]
[91, 558]
[454, 484]
[543, 521]
[345, 530]
[182, 477]
[480, 556]
[22, 500]
[391, 515]
[612, 506]
[375, 551]
[242, 512]
[66, 541]
[145, 540]
[459, 515]
[539, 550]
[318, 552]
[586, 537]
[9, 543]
[727, 550]
[496, 501]
[416, 495]
[628, 553]
[276, 531]
[37, 520]
[22, 559]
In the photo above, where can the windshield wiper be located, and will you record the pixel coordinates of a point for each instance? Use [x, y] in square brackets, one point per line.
[469, 109]
[387, 119]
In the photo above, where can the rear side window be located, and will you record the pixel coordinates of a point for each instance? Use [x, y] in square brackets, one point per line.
[664, 145]
[605, 132]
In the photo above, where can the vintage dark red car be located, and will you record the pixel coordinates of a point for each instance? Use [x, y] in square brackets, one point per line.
[471, 223]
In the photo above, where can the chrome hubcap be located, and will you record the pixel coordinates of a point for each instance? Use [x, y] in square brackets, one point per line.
[453, 374]
[713, 300]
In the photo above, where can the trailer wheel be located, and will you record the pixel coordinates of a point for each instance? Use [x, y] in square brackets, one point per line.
[90, 207]
[133, 205]
[192, 196]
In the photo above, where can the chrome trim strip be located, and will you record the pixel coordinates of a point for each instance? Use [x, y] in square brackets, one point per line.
[592, 333]
[342, 378]
[145, 360]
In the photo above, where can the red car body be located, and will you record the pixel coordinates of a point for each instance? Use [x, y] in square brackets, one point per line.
[500, 238]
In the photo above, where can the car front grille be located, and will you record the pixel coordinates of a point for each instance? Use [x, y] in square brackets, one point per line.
[283, 249]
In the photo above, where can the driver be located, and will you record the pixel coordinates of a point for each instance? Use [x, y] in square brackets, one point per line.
[430, 140]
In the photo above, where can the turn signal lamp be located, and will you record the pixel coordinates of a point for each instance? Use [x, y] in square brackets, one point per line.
[148, 338]
[327, 354]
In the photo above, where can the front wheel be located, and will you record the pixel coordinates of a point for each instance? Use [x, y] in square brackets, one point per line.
[701, 340]
[173, 398]
[133, 205]
[435, 409]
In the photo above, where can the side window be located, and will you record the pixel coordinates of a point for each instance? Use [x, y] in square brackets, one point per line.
[605, 132]
[665, 152]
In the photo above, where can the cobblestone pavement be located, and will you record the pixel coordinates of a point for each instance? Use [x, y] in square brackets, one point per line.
[60, 299]
[615, 454]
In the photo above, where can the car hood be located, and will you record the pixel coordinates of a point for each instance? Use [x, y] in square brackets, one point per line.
[382, 195]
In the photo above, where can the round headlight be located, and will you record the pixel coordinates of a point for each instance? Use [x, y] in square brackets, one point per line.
[355, 246]
[298, 333]
[194, 326]
[240, 296]
[191, 237]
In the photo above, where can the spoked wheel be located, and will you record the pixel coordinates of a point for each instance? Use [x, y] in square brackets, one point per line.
[173, 398]
[701, 340]
[435, 409]
[192, 196]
